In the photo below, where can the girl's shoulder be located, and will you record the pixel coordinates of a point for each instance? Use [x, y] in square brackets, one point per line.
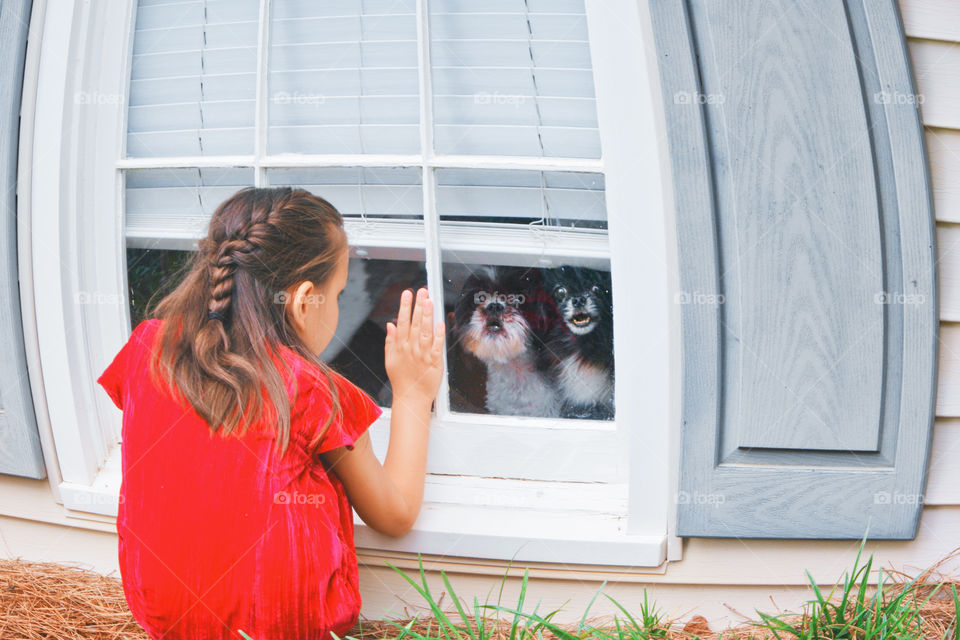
[146, 329]
[313, 402]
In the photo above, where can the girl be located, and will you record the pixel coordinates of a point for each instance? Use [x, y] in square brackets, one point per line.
[243, 452]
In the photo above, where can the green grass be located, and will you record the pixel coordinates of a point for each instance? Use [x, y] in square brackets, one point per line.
[853, 609]
[857, 613]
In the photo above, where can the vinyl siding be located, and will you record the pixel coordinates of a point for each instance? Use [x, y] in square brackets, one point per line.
[933, 29]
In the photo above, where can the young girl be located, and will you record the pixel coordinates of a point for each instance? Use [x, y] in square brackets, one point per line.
[243, 452]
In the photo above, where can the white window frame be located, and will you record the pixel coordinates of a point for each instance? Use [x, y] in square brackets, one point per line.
[623, 516]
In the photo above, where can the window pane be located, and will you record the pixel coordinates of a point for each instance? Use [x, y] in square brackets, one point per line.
[370, 299]
[557, 198]
[512, 77]
[343, 77]
[151, 274]
[375, 192]
[193, 78]
[528, 341]
[177, 203]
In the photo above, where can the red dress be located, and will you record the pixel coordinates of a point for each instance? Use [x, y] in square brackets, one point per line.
[219, 534]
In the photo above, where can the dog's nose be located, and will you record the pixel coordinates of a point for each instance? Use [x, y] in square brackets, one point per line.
[579, 301]
[495, 308]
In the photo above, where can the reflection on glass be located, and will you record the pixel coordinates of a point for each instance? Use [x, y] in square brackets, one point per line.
[151, 274]
[556, 198]
[370, 299]
[526, 341]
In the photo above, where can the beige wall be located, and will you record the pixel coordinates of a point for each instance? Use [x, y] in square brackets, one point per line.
[714, 573]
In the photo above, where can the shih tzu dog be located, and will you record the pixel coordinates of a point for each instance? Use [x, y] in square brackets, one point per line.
[503, 318]
[579, 348]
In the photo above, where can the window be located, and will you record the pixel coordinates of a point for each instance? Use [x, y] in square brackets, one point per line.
[468, 146]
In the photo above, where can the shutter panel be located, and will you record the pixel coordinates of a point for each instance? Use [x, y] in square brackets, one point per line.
[807, 268]
[20, 452]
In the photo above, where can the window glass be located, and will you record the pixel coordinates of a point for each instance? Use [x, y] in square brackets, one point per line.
[193, 79]
[151, 274]
[370, 300]
[530, 341]
[393, 193]
[167, 204]
[343, 77]
[529, 324]
[512, 77]
[559, 198]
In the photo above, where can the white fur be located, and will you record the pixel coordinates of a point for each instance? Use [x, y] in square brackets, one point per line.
[516, 388]
[584, 383]
[589, 308]
[500, 346]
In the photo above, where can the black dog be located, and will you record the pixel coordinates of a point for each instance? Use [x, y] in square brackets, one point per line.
[579, 348]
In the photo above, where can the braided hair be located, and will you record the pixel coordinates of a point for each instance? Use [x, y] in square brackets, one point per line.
[222, 349]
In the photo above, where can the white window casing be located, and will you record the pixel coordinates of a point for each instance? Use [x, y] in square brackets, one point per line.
[595, 492]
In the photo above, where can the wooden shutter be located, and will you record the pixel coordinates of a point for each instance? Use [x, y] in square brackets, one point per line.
[807, 267]
[19, 440]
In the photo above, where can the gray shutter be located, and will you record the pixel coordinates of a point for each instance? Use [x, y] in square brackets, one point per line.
[807, 267]
[19, 440]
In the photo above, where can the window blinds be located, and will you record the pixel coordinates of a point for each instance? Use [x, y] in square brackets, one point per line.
[509, 77]
[176, 204]
[558, 198]
[343, 77]
[193, 78]
[512, 77]
[376, 192]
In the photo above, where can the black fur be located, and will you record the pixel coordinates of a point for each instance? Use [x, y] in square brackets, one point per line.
[574, 291]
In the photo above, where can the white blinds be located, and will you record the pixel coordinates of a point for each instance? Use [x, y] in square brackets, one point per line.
[343, 77]
[509, 78]
[176, 204]
[193, 78]
[376, 192]
[556, 197]
[512, 77]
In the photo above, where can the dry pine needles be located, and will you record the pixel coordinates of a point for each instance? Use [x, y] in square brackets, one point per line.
[48, 600]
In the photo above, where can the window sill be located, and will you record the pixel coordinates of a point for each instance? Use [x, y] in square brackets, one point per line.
[569, 523]
[528, 536]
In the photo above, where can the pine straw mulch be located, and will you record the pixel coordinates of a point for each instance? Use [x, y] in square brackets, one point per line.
[48, 600]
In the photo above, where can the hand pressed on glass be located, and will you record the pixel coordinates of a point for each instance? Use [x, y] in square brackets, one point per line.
[413, 351]
[388, 497]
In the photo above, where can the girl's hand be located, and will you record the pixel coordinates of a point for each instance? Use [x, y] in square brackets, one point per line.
[413, 351]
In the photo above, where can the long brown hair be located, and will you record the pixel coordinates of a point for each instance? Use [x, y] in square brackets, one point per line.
[260, 242]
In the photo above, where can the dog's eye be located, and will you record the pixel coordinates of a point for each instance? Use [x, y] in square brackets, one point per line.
[560, 292]
[596, 290]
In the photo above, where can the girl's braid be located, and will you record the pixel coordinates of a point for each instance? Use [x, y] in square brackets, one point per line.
[226, 259]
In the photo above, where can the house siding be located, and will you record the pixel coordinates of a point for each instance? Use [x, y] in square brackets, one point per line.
[716, 577]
